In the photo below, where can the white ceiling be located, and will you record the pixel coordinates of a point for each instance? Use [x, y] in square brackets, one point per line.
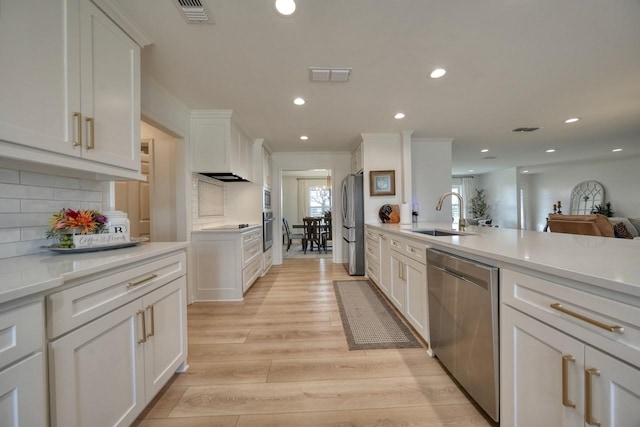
[511, 63]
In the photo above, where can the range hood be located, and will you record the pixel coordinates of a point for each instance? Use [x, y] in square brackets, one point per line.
[224, 176]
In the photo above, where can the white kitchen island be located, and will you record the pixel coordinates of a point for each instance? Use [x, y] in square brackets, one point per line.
[569, 318]
[90, 336]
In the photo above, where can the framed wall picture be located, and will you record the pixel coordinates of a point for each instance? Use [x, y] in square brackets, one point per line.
[382, 183]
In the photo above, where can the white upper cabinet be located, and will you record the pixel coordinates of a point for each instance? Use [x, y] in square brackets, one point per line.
[356, 159]
[70, 85]
[266, 168]
[220, 144]
[109, 89]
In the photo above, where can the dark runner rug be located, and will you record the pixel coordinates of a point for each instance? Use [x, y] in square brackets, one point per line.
[368, 320]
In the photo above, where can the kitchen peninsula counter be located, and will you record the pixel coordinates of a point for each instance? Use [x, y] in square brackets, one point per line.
[32, 274]
[607, 263]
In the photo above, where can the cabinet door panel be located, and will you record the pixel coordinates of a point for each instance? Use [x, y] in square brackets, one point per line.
[615, 394]
[165, 349]
[88, 364]
[22, 397]
[110, 89]
[385, 264]
[417, 297]
[531, 374]
[36, 72]
[397, 281]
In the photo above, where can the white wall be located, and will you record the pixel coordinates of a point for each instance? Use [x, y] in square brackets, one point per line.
[381, 151]
[431, 176]
[620, 178]
[290, 199]
[339, 163]
[166, 113]
[163, 188]
[502, 196]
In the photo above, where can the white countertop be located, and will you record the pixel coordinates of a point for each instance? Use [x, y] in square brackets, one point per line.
[31, 274]
[605, 262]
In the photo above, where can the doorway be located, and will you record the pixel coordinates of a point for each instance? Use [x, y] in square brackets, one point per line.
[306, 193]
[152, 205]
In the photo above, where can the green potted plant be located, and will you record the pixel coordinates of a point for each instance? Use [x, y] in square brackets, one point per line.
[603, 209]
[479, 207]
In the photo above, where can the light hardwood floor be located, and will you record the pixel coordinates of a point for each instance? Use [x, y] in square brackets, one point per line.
[280, 358]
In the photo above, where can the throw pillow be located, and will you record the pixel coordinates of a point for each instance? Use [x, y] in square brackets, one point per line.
[620, 230]
[636, 223]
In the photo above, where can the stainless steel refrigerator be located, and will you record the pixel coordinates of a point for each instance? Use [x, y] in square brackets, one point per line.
[353, 224]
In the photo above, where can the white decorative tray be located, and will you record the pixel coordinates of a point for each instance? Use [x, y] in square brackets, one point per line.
[133, 242]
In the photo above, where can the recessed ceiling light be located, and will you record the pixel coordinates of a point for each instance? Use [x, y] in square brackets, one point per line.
[525, 171]
[484, 150]
[471, 170]
[615, 150]
[572, 120]
[551, 150]
[304, 137]
[299, 101]
[285, 7]
[438, 72]
[399, 116]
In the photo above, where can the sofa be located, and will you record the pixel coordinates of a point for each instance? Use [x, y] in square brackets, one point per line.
[595, 225]
[626, 228]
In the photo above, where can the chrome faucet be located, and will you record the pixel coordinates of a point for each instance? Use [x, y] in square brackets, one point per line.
[462, 223]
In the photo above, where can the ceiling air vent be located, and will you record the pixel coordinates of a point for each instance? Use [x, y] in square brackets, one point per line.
[524, 129]
[329, 74]
[194, 11]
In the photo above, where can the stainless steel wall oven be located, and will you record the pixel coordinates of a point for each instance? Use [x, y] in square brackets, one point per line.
[267, 230]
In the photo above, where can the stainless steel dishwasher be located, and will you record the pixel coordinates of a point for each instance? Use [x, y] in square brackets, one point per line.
[463, 324]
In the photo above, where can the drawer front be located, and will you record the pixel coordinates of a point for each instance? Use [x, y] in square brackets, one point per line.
[581, 314]
[373, 250]
[250, 237]
[368, 234]
[416, 251]
[373, 269]
[250, 253]
[250, 274]
[396, 244]
[268, 260]
[21, 332]
[76, 306]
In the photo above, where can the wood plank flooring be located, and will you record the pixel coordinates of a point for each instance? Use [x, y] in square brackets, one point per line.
[280, 358]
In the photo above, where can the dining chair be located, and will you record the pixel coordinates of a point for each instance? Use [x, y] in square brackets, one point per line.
[293, 236]
[312, 232]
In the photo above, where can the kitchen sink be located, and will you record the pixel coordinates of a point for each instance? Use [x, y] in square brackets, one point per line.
[439, 232]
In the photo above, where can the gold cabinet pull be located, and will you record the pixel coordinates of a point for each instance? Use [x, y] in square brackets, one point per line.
[566, 358]
[153, 321]
[614, 328]
[90, 133]
[77, 140]
[141, 281]
[144, 327]
[588, 388]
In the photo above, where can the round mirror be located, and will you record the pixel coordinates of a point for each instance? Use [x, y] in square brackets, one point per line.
[585, 196]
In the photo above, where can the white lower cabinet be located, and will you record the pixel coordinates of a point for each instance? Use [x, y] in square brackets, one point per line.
[555, 380]
[397, 281]
[22, 396]
[114, 341]
[568, 357]
[408, 282]
[111, 368]
[88, 383]
[22, 365]
[226, 263]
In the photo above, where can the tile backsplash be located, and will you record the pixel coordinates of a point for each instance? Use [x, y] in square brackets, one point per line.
[27, 201]
[211, 201]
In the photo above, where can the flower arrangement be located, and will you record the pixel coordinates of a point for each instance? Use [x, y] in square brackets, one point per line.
[67, 222]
